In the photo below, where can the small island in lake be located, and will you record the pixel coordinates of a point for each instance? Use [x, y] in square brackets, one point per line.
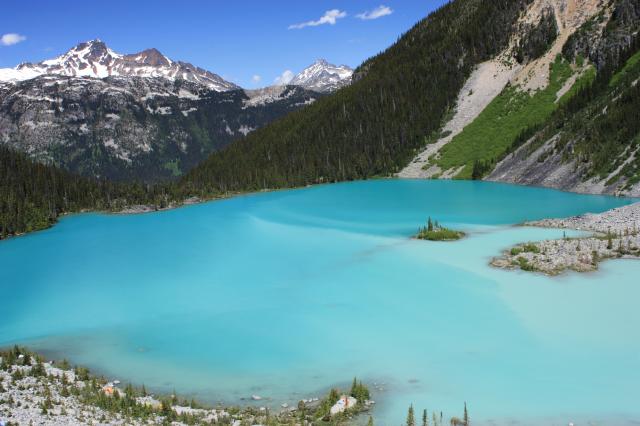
[433, 231]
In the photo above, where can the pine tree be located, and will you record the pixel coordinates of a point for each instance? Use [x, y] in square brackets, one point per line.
[429, 224]
[411, 421]
[334, 396]
[466, 415]
[425, 419]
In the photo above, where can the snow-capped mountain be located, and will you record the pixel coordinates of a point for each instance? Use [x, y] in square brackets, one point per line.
[322, 76]
[94, 59]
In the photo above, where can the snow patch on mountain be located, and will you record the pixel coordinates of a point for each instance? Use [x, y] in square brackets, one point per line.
[322, 76]
[94, 59]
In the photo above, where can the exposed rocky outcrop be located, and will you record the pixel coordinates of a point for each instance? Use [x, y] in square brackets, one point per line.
[547, 166]
[606, 35]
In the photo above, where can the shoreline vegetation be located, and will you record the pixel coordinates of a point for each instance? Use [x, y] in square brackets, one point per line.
[433, 231]
[615, 235]
[33, 391]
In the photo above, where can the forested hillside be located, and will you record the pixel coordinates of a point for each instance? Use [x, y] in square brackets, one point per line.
[374, 126]
[33, 195]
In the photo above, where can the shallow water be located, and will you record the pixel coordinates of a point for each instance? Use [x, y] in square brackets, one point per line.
[283, 294]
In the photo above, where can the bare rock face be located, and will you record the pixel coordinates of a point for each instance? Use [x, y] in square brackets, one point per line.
[150, 57]
[607, 34]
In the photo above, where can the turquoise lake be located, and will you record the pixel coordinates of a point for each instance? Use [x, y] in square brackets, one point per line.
[287, 293]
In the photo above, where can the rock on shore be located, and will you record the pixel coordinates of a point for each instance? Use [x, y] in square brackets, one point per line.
[38, 393]
[625, 219]
[616, 235]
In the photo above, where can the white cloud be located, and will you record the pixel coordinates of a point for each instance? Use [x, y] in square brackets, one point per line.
[284, 78]
[376, 13]
[256, 78]
[11, 38]
[330, 17]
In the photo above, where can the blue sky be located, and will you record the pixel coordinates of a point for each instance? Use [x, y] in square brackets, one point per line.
[238, 39]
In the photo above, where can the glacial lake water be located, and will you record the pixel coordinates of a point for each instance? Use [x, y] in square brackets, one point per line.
[284, 294]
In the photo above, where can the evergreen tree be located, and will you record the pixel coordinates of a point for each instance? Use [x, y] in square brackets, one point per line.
[425, 418]
[411, 421]
[334, 396]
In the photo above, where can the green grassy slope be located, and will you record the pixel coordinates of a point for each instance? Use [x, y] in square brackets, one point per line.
[500, 123]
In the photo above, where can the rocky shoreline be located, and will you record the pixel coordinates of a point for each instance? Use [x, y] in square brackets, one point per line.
[615, 234]
[35, 391]
[150, 208]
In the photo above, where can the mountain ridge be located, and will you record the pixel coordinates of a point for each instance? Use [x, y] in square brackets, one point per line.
[95, 59]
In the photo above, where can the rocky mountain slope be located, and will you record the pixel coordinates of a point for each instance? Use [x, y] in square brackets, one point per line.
[591, 144]
[525, 63]
[557, 51]
[143, 116]
[323, 77]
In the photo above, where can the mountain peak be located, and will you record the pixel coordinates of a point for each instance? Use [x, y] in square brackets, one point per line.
[321, 76]
[94, 50]
[151, 57]
[94, 45]
[95, 59]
